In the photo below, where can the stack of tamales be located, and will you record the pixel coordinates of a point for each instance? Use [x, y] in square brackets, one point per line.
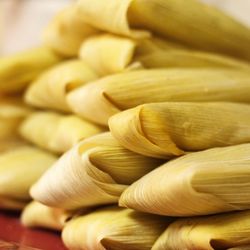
[130, 127]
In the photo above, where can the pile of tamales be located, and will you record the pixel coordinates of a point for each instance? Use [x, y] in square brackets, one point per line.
[129, 127]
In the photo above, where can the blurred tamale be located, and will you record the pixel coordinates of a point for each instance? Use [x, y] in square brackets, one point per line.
[170, 129]
[19, 169]
[114, 228]
[206, 182]
[36, 214]
[207, 233]
[101, 99]
[109, 54]
[183, 20]
[50, 89]
[17, 71]
[96, 171]
[60, 133]
[66, 31]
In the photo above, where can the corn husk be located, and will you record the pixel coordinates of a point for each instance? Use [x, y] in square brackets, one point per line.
[207, 182]
[207, 233]
[50, 89]
[240, 248]
[181, 20]
[17, 71]
[19, 169]
[66, 31]
[61, 132]
[36, 214]
[170, 129]
[99, 100]
[94, 172]
[114, 228]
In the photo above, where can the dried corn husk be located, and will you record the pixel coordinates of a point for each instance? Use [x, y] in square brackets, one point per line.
[207, 182]
[109, 16]
[61, 132]
[66, 31]
[19, 169]
[50, 89]
[169, 129]
[114, 228]
[18, 70]
[94, 172]
[36, 214]
[99, 100]
[207, 233]
[182, 20]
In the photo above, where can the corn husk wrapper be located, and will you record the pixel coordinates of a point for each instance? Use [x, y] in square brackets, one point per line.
[207, 233]
[36, 214]
[114, 228]
[94, 172]
[207, 182]
[17, 71]
[66, 31]
[185, 22]
[50, 89]
[240, 248]
[19, 169]
[61, 132]
[170, 129]
[99, 100]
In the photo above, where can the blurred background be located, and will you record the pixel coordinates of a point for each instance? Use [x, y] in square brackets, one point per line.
[21, 21]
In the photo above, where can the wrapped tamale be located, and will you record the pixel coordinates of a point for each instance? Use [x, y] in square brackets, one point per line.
[19, 169]
[170, 129]
[109, 54]
[60, 133]
[188, 21]
[94, 172]
[99, 100]
[36, 214]
[17, 71]
[221, 231]
[201, 183]
[50, 89]
[66, 31]
[115, 229]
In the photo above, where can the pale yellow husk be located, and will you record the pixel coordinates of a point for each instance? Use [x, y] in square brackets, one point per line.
[170, 129]
[101, 99]
[19, 169]
[115, 229]
[109, 54]
[66, 31]
[17, 71]
[206, 182]
[50, 89]
[207, 233]
[36, 214]
[192, 22]
[56, 132]
[94, 172]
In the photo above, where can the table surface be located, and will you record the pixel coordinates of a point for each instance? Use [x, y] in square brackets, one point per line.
[13, 235]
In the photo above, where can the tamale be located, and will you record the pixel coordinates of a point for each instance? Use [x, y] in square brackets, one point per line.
[202, 183]
[66, 31]
[183, 20]
[109, 54]
[17, 71]
[94, 172]
[49, 90]
[221, 231]
[114, 228]
[36, 214]
[170, 129]
[61, 132]
[19, 169]
[99, 100]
